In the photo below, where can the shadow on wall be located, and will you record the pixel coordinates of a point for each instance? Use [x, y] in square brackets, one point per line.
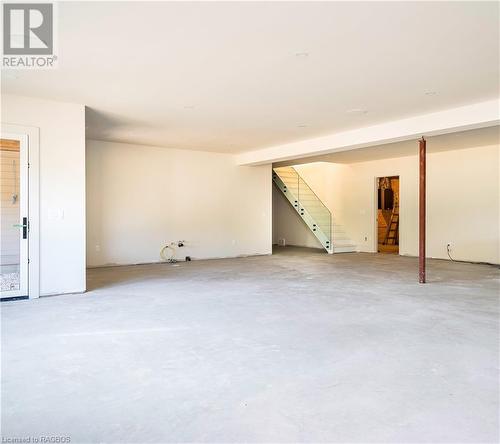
[103, 126]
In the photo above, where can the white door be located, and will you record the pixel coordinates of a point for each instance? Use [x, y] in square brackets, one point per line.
[14, 225]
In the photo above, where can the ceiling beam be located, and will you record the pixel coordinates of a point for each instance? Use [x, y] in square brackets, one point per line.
[478, 115]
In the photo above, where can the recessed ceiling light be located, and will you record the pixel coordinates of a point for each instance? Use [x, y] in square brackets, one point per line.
[302, 54]
[357, 111]
[189, 107]
[430, 93]
[302, 125]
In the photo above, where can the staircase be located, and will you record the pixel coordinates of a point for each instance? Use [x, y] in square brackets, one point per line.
[312, 210]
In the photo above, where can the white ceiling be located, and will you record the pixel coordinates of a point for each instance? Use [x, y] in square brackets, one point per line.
[231, 77]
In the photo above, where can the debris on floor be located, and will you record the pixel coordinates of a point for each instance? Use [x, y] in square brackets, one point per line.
[9, 281]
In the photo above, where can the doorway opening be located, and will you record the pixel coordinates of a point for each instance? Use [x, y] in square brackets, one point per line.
[388, 214]
[13, 218]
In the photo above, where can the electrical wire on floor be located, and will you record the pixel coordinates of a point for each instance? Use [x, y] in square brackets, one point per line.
[171, 254]
[448, 248]
[171, 249]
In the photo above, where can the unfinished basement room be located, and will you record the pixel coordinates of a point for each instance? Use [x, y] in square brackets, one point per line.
[250, 222]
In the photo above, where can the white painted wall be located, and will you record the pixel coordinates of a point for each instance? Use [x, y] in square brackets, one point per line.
[142, 197]
[463, 201]
[327, 181]
[62, 187]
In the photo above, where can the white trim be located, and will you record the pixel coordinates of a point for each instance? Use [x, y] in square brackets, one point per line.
[374, 216]
[401, 224]
[32, 134]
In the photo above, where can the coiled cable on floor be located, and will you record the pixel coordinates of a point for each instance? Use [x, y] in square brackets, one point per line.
[172, 249]
[170, 257]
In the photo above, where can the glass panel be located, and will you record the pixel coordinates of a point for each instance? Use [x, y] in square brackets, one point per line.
[9, 215]
[302, 197]
[315, 207]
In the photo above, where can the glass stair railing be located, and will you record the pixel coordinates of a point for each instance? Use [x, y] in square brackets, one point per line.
[311, 209]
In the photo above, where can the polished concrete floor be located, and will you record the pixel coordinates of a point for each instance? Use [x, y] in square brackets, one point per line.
[295, 347]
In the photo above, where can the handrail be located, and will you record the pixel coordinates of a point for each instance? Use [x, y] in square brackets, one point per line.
[315, 216]
[307, 185]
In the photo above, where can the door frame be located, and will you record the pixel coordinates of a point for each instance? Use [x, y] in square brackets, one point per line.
[375, 213]
[32, 135]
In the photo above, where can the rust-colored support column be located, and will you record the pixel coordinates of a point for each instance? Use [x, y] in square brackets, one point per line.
[421, 210]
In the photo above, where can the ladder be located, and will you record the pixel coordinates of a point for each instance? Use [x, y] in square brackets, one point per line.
[392, 233]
